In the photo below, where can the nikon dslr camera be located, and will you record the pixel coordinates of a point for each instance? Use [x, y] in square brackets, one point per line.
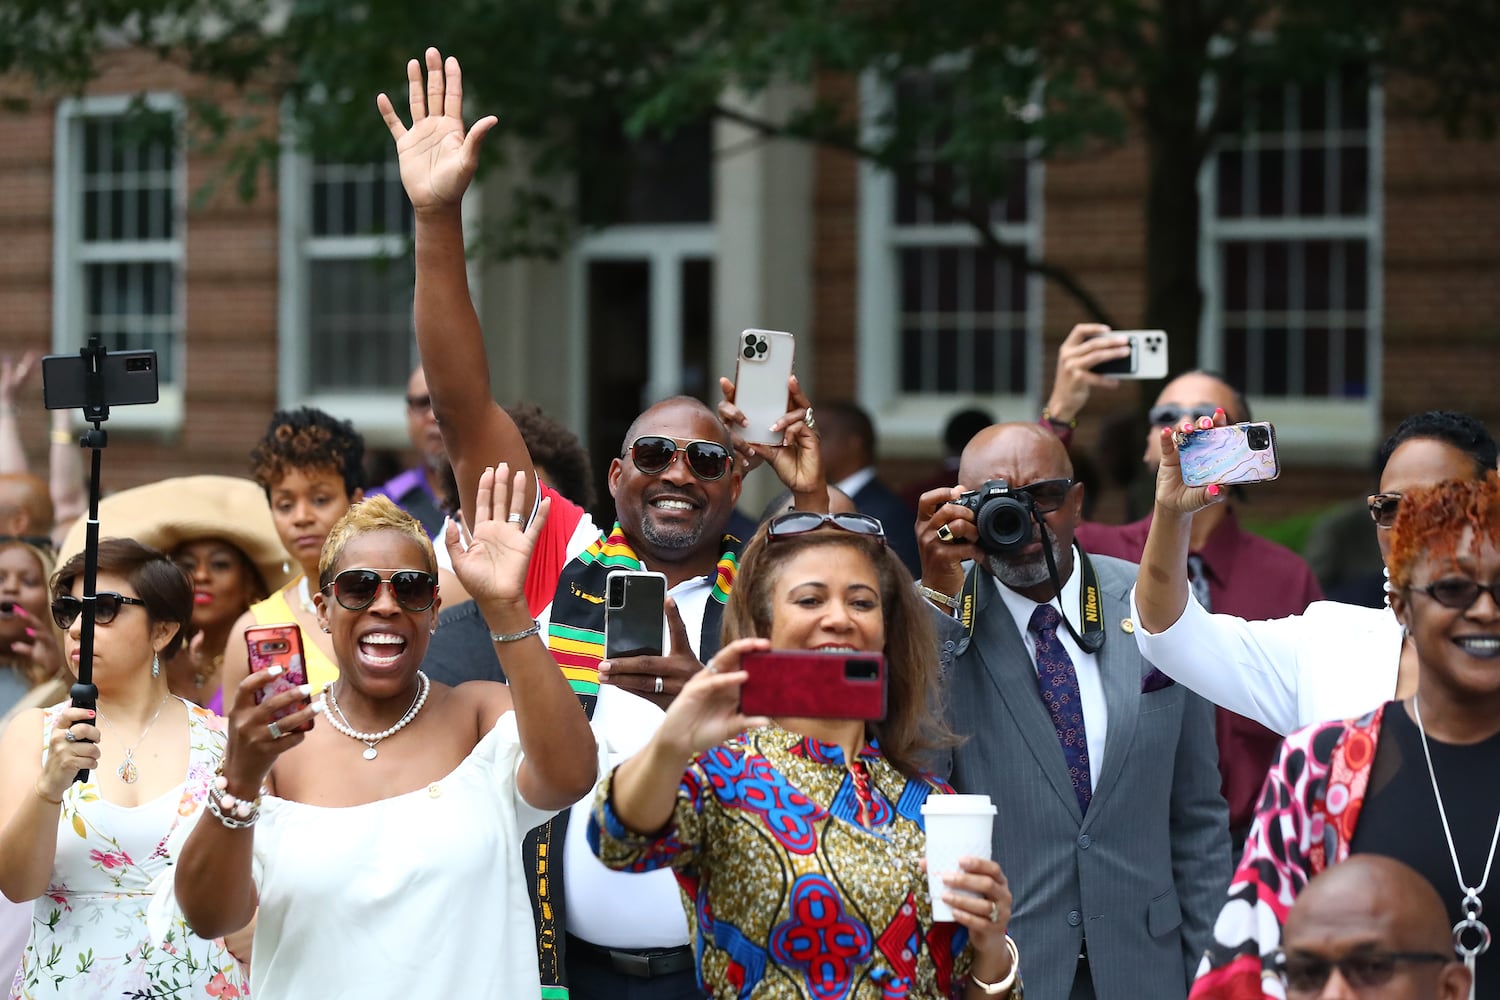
[1002, 515]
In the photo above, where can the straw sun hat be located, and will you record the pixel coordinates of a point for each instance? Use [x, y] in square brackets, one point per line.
[168, 513]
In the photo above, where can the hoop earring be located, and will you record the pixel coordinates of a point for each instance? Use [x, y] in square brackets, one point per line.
[155, 665]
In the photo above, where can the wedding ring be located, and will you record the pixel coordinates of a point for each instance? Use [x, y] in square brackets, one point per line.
[807, 418]
[68, 735]
[659, 685]
[276, 732]
[515, 519]
[944, 533]
[994, 912]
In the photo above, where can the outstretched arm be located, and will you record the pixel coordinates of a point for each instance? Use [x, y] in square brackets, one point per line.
[438, 159]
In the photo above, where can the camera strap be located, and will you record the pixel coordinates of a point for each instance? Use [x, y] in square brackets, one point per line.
[1090, 600]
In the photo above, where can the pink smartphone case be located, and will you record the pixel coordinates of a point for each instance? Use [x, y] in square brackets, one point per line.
[294, 672]
[812, 685]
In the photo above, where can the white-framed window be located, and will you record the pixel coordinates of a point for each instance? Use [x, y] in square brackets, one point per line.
[942, 323]
[118, 220]
[1291, 261]
[346, 339]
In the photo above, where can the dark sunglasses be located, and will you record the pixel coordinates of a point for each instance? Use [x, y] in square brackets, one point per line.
[107, 604]
[800, 522]
[1307, 974]
[1047, 494]
[356, 589]
[1170, 414]
[1458, 593]
[1383, 508]
[708, 460]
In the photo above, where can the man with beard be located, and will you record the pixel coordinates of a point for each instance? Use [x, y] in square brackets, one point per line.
[674, 482]
[419, 490]
[1110, 826]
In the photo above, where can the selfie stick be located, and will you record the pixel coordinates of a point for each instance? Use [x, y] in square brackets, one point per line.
[96, 411]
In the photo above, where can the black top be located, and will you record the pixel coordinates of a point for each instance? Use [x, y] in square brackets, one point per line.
[1400, 820]
[460, 650]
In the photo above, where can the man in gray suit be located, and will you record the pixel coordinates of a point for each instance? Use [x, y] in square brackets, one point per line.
[1111, 828]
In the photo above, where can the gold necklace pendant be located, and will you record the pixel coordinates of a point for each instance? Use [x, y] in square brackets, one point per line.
[127, 769]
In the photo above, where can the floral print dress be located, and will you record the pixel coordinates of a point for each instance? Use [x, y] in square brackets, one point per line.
[89, 934]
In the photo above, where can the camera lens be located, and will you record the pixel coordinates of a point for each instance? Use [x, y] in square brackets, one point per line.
[1004, 524]
[750, 340]
[749, 354]
[1258, 438]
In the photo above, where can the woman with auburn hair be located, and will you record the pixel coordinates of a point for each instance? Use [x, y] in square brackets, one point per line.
[851, 790]
[401, 813]
[1414, 779]
[89, 852]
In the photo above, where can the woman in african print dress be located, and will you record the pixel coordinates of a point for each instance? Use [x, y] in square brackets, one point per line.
[797, 843]
[1415, 779]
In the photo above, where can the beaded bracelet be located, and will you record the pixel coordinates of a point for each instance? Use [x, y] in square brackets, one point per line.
[231, 812]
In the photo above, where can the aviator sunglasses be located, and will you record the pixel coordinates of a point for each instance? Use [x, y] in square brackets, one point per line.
[107, 604]
[1306, 975]
[708, 460]
[356, 589]
[800, 522]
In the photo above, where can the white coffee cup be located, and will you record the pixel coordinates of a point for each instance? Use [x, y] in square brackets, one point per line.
[957, 826]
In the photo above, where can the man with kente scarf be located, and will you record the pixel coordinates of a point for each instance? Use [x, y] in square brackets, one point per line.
[675, 483]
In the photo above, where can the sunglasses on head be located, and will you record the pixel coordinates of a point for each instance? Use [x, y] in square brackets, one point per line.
[800, 522]
[1383, 508]
[708, 460]
[107, 604]
[1170, 414]
[1306, 975]
[356, 589]
[1458, 593]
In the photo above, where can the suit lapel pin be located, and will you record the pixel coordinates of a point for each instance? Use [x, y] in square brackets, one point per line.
[1127, 626]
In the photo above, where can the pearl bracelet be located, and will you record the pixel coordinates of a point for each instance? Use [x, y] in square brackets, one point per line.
[231, 812]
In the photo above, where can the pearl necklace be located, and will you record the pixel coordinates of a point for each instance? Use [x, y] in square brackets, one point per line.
[340, 722]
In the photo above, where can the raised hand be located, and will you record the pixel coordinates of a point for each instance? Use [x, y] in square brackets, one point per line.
[1086, 345]
[707, 711]
[492, 567]
[253, 745]
[946, 537]
[15, 373]
[437, 157]
[798, 460]
[1171, 494]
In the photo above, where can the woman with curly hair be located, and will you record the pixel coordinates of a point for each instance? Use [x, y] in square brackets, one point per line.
[309, 465]
[1414, 779]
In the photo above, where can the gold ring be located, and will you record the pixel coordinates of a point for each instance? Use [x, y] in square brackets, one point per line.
[944, 533]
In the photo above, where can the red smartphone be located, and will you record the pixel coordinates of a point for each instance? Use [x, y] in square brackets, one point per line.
[277, 645]
[810, 684]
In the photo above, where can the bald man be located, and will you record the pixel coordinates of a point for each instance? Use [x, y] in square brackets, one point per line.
[1370, 928]
[1111, 827]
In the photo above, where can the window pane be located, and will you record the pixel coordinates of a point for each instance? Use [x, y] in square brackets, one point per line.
[132, 306]
[359, 199]
[650, 179]
[963, 322]
[697, 325]
[359, 314]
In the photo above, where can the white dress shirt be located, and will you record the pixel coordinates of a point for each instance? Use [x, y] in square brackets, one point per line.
[1333, 661]
[1085, 665]
[856, 481]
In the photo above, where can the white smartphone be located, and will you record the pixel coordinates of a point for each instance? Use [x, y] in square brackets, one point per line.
[760, 376]
[1147, 358]
[635, 613]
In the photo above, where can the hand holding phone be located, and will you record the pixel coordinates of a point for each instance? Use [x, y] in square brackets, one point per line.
[1229, 456]
[760, 382]
[635, 617]
[811, 684]
[1147, 358]
[280, 646]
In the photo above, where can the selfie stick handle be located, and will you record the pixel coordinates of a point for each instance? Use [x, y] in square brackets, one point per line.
[96, 410]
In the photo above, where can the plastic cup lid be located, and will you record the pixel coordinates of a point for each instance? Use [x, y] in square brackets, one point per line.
[958, 805]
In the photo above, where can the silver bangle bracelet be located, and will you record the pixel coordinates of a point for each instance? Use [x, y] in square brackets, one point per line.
[536, 627]
[938, 596]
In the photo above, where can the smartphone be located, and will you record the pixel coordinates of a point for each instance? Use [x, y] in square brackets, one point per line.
[635, 614]
[1147, 358]
[760, 375]
[277, 645]
[811, 684]
[1239, 453]
[130, 378]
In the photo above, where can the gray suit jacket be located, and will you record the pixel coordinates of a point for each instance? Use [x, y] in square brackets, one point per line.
[1144, 873]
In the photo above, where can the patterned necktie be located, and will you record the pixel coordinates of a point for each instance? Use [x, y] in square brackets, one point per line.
[1198, 580]
[1058, 683]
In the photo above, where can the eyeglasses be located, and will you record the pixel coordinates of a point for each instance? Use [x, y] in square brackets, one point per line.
[708, 460]
[800, 522]
[1048, 494]
[1170, 414]
[1307, 974]
[356, 589]
[419, 404]
[107, 604]
[1458, 593]
[1383, 508]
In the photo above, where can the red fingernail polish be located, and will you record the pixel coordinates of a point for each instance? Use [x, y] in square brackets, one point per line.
[1218, 411]
[1213, 489]
[92, 713]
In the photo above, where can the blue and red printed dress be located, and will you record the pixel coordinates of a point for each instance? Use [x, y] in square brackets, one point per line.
[800, 875]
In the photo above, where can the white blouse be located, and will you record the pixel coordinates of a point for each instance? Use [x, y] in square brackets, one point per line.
[1333, 661]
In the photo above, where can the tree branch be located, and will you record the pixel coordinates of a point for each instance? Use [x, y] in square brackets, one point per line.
[976, 216]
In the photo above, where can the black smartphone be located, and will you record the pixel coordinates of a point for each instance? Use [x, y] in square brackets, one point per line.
[130, 379]
[635, 614]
